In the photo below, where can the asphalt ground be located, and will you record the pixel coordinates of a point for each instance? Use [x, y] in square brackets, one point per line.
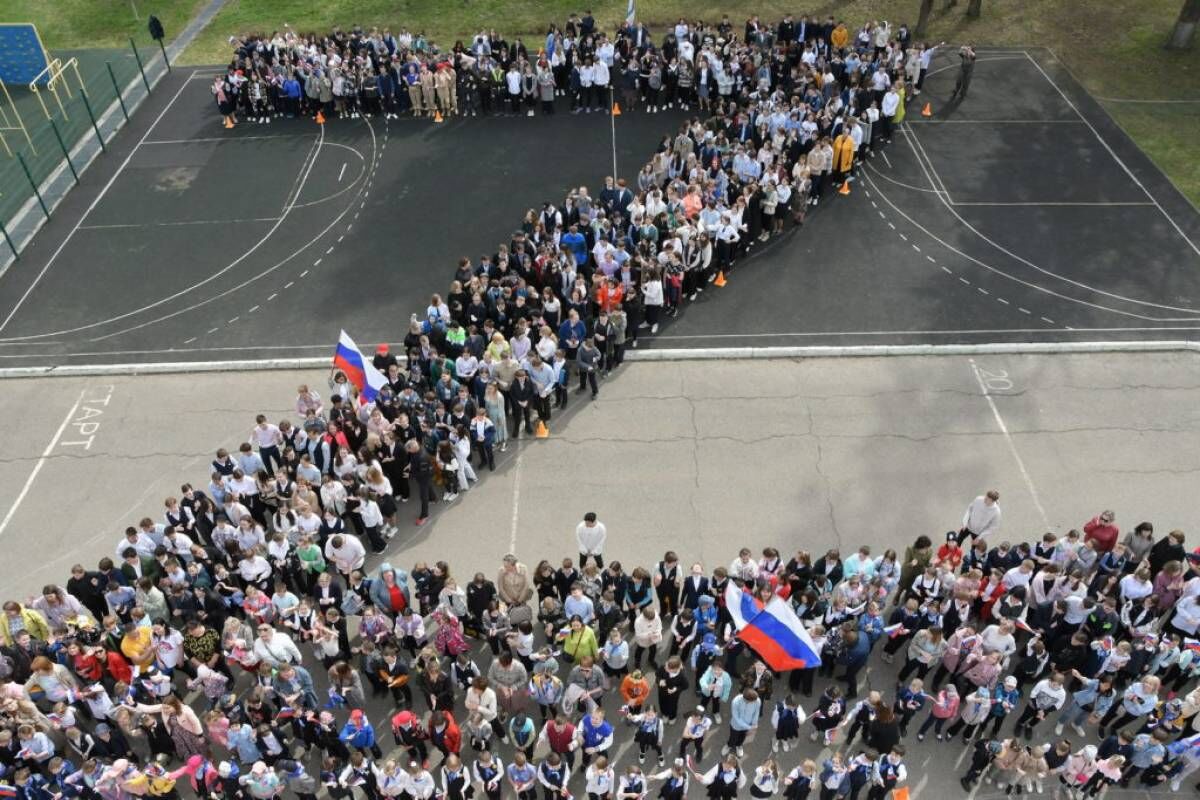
[699, 457]
[1019, 214]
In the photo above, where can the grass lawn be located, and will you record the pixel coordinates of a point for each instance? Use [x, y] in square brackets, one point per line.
[71, 24]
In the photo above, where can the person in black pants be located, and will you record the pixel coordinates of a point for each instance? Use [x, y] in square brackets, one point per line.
[521, 398]
[421, 472]
[985, 753]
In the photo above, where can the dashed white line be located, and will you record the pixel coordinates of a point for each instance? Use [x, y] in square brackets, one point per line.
[914, 247]
[1023, 310]
[342, 173]
[868, 192]
[272, 297]
[302, 274]
[882, 215]
[947, 271]
[289, 284]
[189, 341]
[964, 280]
[340, 238]
[348, 227]
[213, 330]
[252, 309]
[356, 213]
[318, 262]
[366, 195]
[235, 319]
[1001, 300]
[892, 225]
[330, 250]
[874, 204]
[1047, 319]
[902, 236]
[982, 290]
[363, 204]
[932, 260]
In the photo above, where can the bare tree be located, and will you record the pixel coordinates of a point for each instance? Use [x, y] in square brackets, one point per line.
[923, 18]
[974, 7]
[1185, 26]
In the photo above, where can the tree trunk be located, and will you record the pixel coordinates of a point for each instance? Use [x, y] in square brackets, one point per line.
[923, 18]
[973, 8]
[1185, 26]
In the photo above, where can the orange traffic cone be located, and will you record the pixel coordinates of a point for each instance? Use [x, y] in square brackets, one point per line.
[541, 431]
[720, 281]
[927, 111]
[845, 188]
[616, 109]
[437, 116]
[320, 118]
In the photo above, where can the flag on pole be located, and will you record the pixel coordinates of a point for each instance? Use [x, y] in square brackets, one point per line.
[1192, 645]
[895, 630]
[629, 14]
[361, 372]
[779, 637]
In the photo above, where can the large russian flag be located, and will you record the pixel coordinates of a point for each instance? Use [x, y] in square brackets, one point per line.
[361, 372]
[778, 636]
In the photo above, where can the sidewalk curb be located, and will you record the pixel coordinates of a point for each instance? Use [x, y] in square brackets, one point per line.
[696, 354]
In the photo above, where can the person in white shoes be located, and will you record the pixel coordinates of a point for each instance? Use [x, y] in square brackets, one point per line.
[591, 535]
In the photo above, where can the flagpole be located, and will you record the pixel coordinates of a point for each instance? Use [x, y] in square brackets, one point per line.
[613, 119]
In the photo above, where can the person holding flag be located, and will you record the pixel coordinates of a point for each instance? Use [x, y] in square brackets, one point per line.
[358, 369]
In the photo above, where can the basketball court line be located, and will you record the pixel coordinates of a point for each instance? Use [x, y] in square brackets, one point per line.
[173, 224]
[1111, 152]
[91, 207]
[931, 174]
[224, 139]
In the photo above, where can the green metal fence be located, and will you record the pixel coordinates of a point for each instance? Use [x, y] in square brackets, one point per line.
[95, 83]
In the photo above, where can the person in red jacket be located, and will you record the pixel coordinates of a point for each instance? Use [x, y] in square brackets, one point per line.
[444, 733]
[1102, 532]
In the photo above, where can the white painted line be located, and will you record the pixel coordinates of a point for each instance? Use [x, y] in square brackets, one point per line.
[175, 224]
[213, 330]
[356, 213]
[340, 238]
[317, 263]
[947, 271]
[235, 319]
[885, 158]
[994, 121]
[902, 236]
[41, 462]
[1115, 157]
[1048, 320]
[224, 139]
[342, 172]
[330, 250]
[1011, 445]
[964, 280]
[932, 260]
[289, 284]
[516, 504]
[363, 204]
[253, 309]
[892, 225]
[366, 194]
[189, 341]
[1023, 310]
[882, 215]
[348, 227]
[874, 204]
[1052, 204]
[981, 290]
[868, 191]
[91, 207]
[914, 247]
[302, 274]
[272, 297]
[1001, 300]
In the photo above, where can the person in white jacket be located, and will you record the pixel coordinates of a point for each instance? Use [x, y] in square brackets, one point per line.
[275, 648]
[591, 535]
[600, 778]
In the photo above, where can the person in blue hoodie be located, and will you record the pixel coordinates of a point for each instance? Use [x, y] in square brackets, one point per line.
[359, 734]
[389, 592]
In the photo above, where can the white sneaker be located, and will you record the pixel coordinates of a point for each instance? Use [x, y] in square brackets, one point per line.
[654, 328]
[1041, 789]
[1079, 730]
[1058, 729]
[1175, 786]
[717, 718]
[787, 745]
[775, 746]
[741, 753]
[725, 750]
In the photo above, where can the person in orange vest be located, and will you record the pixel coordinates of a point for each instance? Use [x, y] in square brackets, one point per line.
[843, 155]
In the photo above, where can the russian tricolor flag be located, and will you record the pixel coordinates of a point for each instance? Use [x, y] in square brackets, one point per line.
[361, 372]
[773, 631]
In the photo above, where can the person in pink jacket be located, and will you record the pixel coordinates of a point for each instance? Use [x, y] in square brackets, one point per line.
[945, 707]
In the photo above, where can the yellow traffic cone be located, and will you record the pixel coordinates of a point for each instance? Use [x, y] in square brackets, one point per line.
[437, 116]
[616, 109]
[927, 111]
[720, 281]
[541, 431]
[845, 188]
[320, 118]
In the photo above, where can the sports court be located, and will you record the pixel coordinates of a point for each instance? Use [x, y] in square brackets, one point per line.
[1022, 213]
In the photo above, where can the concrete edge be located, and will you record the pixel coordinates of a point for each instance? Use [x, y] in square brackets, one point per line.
[667, 354]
